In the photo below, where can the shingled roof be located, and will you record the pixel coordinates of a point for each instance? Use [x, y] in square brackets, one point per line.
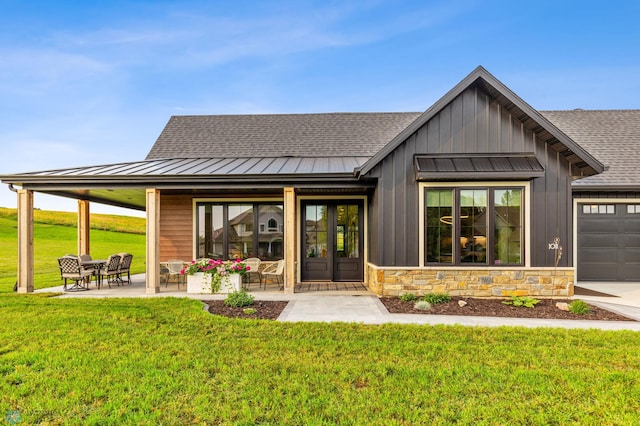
[612, 136]
[279, 135]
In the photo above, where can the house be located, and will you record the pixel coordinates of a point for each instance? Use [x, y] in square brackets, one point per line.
[479, 195]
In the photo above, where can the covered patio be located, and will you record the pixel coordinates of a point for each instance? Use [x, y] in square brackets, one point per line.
[138, 285]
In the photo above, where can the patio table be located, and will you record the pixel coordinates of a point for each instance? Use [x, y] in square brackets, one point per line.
[97, 265]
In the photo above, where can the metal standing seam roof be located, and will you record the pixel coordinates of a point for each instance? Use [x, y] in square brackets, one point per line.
[209, 167]
[472, 167]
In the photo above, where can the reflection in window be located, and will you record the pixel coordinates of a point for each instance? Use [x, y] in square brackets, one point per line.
[316, 230]
[227, 231]
[473, 225]
[458, 220]
[240, 231]
[270, 243]
[439, 206]
[507, 226]
[347, 234]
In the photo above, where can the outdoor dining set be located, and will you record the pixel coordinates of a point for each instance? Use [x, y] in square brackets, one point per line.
[80, 270]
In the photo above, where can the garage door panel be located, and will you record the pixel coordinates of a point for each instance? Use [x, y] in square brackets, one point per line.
[599, 256]
[631, 241]
[600, 226]
[598, 241]
[630, 255]
[596, 272]
[608, 245]
[633, 228]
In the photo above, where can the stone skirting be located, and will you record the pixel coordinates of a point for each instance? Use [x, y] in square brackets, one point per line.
[471, 282]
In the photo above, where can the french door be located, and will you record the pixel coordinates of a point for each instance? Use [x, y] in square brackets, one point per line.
[332, 241]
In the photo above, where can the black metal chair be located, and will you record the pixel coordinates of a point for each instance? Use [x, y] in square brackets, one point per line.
[70, 269]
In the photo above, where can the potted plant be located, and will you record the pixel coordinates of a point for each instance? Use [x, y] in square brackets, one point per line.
[214, 276]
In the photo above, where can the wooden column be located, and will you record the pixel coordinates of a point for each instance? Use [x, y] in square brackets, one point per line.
[153, 241]
[84, 226]
[25, 241]
[289, 240]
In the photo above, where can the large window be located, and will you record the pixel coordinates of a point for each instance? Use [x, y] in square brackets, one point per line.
[474, 226]
[228, 230]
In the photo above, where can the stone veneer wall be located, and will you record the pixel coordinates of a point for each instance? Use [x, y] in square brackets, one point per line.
[471, 282]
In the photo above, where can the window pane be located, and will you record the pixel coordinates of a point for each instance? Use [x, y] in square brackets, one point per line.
[316, 231]
[473, 226]
[210, 231]
[270, 246]
[240, 231]
[347, 235]
[507, 226]
[439, 220]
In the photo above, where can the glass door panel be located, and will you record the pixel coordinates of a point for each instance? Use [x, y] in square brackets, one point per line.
[316, 250]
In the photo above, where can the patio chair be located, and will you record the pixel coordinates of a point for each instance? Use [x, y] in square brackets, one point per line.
[254, 268]
[110, 269]
[84, 258]
[174, 267]
[124, 267]
[276, 270]
[70, 269]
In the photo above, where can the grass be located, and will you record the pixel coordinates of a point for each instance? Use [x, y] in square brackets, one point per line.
[166, 361]
[55, 234]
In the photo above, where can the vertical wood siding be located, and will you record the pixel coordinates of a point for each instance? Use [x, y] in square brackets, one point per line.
[472, 123]
[176, 227]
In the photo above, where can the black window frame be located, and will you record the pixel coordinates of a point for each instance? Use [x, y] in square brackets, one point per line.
[490, 226]
[256, 233]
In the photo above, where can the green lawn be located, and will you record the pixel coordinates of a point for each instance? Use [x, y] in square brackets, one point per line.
[166, 361]
[55, 234]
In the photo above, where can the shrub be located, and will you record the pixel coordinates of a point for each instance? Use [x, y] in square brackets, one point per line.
[408, 297]
[422, 305]
[525, 301]
[238, 299]
[435, 298]
[579, 307]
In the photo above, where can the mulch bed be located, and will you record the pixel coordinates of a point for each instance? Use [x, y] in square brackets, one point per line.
[495, 308]
[264, 309]
[475, 307]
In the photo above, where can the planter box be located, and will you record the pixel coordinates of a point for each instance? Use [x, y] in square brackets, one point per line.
[199, 283]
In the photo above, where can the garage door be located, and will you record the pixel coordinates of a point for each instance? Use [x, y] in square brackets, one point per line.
[609, 242]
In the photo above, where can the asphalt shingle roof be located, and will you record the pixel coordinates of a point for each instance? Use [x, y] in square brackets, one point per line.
[611, 136]
[279, 135]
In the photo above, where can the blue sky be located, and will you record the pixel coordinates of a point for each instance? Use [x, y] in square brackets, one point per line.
[85, 83]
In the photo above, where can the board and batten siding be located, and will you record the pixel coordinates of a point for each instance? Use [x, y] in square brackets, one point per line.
[472, 123]
[176, 227]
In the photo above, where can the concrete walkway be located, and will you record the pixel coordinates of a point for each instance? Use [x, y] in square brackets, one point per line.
[368, 309]
[364, 307]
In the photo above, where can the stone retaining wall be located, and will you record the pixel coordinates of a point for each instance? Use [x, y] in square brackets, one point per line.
[472, 282]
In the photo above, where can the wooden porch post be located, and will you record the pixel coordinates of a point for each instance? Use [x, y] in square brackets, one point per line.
[289, 240]
[25, 241]
[84, 226]
[153, 241]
